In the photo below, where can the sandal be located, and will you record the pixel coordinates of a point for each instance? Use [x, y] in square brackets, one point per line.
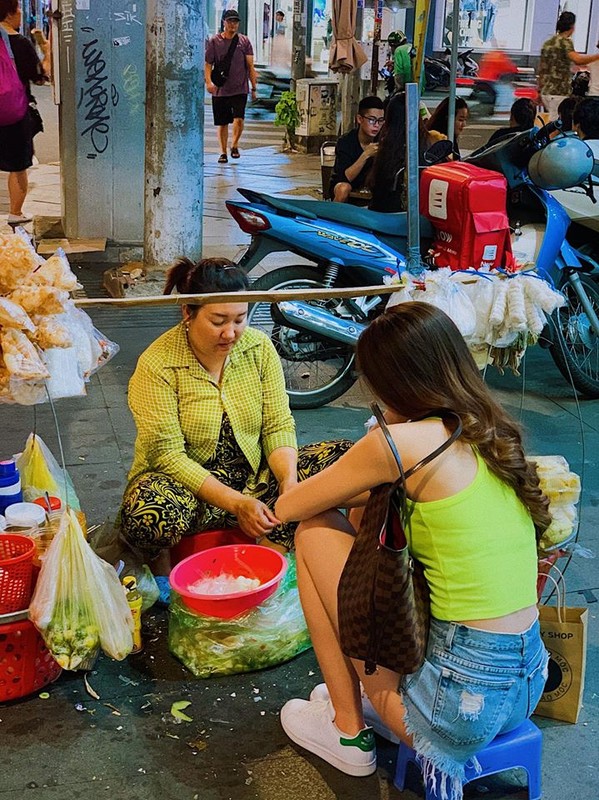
[235, 152]
[222, 159]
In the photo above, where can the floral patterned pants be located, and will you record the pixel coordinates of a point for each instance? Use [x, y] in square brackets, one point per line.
[158, 510]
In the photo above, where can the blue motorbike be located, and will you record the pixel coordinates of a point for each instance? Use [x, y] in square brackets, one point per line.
[351, 246]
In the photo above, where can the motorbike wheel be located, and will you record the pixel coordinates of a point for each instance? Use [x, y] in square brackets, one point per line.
[575, 347]
[316, 371]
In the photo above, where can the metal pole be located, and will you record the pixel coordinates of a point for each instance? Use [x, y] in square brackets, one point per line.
[374, 64]
[453, 69]
[298, 43]
[174, 130]
[414, 262]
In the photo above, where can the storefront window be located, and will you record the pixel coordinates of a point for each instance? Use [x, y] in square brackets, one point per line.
[322, 33]
[488, 24]
[582, 9]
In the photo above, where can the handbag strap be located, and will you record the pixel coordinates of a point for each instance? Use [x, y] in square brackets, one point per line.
[427, 459]
[6, 40]
[229, 56]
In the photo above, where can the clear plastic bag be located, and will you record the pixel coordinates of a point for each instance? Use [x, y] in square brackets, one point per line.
[269, 634]
[79, 604]
[40, 473]
[108, 542]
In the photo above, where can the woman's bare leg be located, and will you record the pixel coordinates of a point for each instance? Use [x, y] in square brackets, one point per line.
[18, 184]
[322, 548]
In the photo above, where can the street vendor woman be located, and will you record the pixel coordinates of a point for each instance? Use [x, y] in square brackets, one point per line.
[215, 437]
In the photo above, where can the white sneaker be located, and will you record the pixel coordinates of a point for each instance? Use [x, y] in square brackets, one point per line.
[371, 718]
[309, 723]
[18, 219]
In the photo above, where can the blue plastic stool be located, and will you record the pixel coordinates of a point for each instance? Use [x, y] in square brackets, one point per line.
[520, 748]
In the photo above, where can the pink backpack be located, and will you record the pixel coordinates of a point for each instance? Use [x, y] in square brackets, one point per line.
[13, 98]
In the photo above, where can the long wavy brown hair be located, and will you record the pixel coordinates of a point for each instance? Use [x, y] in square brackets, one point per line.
[416, 361]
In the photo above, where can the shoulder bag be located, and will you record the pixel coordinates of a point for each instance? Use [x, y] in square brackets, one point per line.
[13, 97]
[383, 596]
[220, 69]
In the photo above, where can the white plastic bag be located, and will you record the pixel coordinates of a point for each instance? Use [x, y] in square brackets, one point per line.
[79, 603]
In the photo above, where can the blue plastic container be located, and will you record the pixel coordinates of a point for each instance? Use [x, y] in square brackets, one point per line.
[10, 484]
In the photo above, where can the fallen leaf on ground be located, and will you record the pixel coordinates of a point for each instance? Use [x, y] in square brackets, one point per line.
[198, 744]
[177, 710]
[89, 689]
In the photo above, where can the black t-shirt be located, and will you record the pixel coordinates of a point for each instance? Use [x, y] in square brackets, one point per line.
[347, 151]
[28, 65]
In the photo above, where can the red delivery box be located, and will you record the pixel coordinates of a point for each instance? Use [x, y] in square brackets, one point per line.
[467, 207]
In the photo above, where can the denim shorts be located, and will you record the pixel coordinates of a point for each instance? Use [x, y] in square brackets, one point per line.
[473, 685]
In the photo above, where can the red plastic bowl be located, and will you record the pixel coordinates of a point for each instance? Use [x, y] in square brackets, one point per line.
[196, 542]
[248, 560]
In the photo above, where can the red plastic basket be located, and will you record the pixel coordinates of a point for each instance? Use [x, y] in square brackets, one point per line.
[16, 570]
[25, 662]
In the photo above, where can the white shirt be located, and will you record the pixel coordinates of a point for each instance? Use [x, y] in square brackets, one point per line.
[593, 68]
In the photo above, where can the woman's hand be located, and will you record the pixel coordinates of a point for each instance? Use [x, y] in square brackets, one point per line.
[254, 517]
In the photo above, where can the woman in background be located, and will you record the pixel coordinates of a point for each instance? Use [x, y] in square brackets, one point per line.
[440, 118]
[16, 141]
[386, 178]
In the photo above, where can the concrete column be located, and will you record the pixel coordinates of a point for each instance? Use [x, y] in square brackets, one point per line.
[174, 130]
[298, 42]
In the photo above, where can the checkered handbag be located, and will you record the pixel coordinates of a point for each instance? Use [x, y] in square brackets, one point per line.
[383, 596]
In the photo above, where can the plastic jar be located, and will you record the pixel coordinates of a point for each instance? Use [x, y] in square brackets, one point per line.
[53, 520]
[10, 484]
[27, 519]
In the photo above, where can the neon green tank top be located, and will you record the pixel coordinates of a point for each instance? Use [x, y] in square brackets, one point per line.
[478, 550]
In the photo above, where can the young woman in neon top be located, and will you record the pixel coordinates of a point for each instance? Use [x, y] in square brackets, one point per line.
[475, 512]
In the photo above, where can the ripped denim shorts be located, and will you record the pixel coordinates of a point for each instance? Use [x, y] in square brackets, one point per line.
[472, 686]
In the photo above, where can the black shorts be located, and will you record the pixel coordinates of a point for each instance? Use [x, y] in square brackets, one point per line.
[226, 109]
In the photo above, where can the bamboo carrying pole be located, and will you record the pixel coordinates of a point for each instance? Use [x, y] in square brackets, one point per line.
[237, 297]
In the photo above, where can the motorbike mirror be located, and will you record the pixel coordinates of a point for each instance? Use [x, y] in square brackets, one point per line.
[437, 152]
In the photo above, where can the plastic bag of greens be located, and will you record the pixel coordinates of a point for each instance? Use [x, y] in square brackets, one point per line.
[269, 634]
[79, 604]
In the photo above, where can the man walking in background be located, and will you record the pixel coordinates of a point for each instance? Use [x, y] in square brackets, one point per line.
[557, 57]
[235, 51]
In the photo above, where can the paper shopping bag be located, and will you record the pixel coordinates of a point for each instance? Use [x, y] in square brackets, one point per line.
[564, 632]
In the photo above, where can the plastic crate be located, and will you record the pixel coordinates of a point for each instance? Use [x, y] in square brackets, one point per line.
[16, 572]
[26, 665]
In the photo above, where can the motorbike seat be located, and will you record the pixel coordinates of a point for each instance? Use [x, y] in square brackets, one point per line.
[393, 224]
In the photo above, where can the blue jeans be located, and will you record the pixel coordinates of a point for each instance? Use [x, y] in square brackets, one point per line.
[472, 686]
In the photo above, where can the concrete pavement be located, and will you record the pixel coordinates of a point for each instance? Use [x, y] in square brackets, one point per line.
[126, 744]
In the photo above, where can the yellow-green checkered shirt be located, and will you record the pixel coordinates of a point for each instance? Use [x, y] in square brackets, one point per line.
[178, 407]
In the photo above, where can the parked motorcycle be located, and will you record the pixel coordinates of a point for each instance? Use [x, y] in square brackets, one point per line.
[437, 71]
[351, 246]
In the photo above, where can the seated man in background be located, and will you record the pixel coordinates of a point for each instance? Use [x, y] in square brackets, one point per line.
[585, 118]
[565, 110]
[354, 151]
[522, 118]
